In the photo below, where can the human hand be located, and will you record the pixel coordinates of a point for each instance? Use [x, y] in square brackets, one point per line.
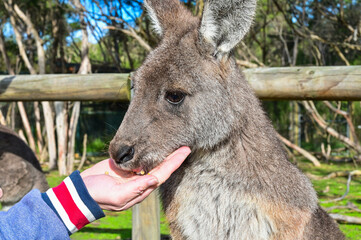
[117, 190]
[1, 192]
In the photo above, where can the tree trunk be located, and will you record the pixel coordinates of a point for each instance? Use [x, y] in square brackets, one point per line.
[85, 68]
[71, 134]
[10, 116]
[49, 125]
[22, 136]
[61, 130]
[295, 130]
[8, 67]
[48, 115]
[18, 37]
[55, 35]
[21, 107]
[39, 136]
[38, 40]
[2, 118]
[27, 127]
[4, 53]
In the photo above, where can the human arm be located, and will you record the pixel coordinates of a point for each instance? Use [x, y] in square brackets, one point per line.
[31, 218]
[93, 186]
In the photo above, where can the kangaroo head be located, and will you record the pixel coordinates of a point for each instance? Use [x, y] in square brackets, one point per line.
[185, 92]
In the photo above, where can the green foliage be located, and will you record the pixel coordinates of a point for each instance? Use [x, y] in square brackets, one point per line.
[356, 119]
[97, 146]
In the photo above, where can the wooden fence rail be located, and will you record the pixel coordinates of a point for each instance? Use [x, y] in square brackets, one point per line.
[296, 83]
[65, 87]
[306, 83]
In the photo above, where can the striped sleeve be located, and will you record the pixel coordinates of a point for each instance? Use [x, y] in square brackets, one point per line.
[72, 203]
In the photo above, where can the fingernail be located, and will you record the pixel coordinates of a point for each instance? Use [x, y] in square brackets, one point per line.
[153, 181]
[184, 150]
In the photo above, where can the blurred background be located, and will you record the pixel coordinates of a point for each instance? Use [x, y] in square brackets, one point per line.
[115, 36]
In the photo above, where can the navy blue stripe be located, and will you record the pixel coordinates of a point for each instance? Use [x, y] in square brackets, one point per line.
[50, 204]
[85, 196]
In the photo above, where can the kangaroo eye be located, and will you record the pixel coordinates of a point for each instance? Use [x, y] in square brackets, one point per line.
[174, 97]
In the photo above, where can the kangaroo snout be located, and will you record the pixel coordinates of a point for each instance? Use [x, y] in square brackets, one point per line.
[124, 154]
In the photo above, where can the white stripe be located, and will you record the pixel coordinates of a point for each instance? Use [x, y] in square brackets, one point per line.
[61, 211]
[79, 203]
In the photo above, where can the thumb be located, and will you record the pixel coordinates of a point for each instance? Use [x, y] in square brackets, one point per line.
[1, 192]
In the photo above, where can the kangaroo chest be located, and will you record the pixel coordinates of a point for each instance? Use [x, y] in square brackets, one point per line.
[201, 204]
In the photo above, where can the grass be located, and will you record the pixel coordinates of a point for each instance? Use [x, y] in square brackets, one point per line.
[119, 225]
[113, 226]
[328, 189]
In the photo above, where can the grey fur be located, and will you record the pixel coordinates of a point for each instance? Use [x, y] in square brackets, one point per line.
[237, 183]
[20, 170]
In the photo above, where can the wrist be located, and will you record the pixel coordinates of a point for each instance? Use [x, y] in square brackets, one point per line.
[72, 203]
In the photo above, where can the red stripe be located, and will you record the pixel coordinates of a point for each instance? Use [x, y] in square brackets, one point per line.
[66, 200]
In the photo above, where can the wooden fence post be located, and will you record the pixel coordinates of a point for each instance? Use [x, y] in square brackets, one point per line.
[146, 219]
[146, 215]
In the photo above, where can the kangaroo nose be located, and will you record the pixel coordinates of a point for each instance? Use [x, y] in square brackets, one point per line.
[124, 154]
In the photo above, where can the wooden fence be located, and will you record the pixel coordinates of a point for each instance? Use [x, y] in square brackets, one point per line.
[297, 83]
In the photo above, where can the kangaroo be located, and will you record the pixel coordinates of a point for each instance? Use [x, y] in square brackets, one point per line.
[20, 170]
[237, 183]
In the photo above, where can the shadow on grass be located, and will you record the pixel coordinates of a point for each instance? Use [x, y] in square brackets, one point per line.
[125, 233]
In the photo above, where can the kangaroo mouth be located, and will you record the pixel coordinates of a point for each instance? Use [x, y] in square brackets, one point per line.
[142, 162]
[139, 171]
[131, 169]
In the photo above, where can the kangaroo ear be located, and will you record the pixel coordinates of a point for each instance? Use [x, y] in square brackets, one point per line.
[167, 15]
[153, 11]
[224, 23]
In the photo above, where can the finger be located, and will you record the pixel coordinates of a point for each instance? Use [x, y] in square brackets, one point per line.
[172, 163]
[137, 187]
[130, 203]
[174, 153]
[97, 169]
[1, 192]
[171, 157]
[139, 198]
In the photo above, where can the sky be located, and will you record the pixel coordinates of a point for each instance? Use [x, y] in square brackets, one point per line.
[128, 13]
